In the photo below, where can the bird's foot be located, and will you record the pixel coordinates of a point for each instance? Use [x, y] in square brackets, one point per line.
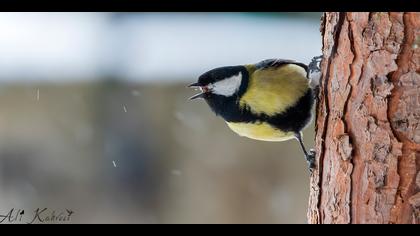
[310, 158]
[314, 73]
[315, 64]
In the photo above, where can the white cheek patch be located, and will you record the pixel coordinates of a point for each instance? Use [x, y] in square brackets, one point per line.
[228, 86]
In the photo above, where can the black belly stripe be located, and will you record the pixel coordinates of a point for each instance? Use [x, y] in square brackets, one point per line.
[297, 117]
[293, 119]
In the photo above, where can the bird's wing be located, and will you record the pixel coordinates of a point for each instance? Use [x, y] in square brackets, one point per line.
[273, 63]
[274, 86]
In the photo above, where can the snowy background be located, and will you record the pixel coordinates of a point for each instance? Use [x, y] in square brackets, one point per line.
[94, 117]
[146, 47]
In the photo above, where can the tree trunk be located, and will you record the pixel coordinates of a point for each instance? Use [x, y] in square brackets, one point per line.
[368, 120]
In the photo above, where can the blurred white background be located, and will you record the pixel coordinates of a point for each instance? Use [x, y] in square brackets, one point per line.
[95, 117]
[144, 47]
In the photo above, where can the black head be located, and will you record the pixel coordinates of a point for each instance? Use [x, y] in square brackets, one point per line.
[222, 87]
[224, 81]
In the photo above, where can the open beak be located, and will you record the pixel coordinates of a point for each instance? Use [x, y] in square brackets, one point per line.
[197, 86]
[194, 85]
[200, 95]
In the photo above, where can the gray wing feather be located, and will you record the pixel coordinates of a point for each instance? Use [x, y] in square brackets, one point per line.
[278, 62]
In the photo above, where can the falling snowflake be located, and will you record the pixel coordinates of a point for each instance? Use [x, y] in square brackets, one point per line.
[176, 172]
[135, 93]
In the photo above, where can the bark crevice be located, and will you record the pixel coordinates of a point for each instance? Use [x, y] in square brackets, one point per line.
[367, 149]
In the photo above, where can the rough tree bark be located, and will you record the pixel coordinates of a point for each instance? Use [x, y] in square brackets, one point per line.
[368, 120]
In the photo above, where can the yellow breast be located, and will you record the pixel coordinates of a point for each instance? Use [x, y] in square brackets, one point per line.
[271, 91]
[260, 131]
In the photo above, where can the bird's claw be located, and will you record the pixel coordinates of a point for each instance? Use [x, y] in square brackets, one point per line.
[310, 158]
[315, 64]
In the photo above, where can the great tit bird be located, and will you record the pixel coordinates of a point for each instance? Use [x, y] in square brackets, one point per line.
[271, 100]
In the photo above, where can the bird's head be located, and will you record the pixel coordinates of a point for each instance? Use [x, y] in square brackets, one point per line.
[221, 88]
[223, 82]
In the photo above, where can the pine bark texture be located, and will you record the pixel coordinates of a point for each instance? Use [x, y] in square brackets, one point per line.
[368, 120]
